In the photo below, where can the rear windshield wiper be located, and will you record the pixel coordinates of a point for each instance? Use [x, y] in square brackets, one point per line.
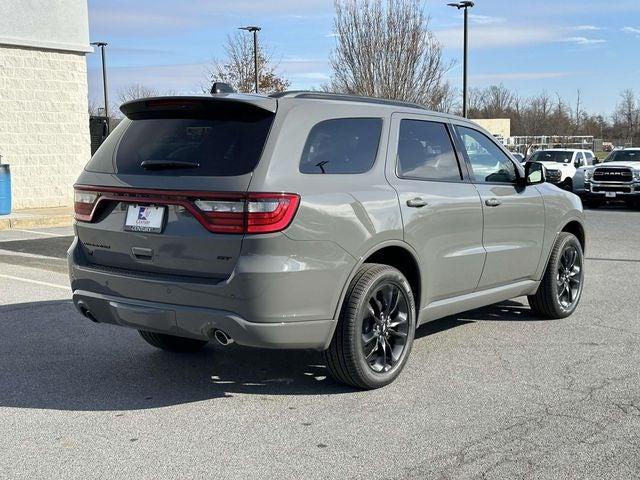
[167, 164]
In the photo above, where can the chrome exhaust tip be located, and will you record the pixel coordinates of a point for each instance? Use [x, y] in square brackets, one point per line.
[222, 338]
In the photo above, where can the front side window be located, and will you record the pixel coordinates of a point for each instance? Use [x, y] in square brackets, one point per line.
[341, 145]
[489, 163]
[425, 152]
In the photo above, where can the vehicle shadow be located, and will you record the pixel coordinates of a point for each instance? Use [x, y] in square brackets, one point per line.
[53, 358]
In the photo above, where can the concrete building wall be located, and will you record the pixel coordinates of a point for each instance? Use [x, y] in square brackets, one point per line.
[499, 127]
[44, 124]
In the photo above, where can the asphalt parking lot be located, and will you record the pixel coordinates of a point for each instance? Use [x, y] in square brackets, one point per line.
[493, 393]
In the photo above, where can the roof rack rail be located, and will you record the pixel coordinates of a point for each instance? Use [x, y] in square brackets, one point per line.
[346, 98]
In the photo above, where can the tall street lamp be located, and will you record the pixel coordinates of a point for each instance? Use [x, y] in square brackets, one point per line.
[255, 31]
[104, 79]
[466, 5]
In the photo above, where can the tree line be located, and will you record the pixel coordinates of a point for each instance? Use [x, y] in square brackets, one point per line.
[386, 49]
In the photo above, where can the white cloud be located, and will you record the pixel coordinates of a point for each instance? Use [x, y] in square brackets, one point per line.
[496, 77]
[586, 28]
[584, 40]
[497, 36]
[631, 30]
[485, 19]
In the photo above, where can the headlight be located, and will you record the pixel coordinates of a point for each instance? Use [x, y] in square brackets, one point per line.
[636, 175]
[588, 174]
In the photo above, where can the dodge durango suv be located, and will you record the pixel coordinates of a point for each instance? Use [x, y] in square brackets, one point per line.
[310, 220]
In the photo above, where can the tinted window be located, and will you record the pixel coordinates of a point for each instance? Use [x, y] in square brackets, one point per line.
[217, 146]
[557, 156]
[624, 156]
[342, 145]
[425, 151]
[488, 162]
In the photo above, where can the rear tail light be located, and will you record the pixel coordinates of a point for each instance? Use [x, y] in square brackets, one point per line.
[218, 213]
[253, 213]
[84, 203]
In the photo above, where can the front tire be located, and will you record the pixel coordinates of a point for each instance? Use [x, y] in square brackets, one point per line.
[375, 330]
[171, 343]
[561, 287]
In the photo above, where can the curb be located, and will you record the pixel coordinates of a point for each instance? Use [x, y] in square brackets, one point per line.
[36, 222]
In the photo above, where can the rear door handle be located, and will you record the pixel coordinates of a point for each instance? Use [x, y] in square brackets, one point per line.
[492, 202]
[417, 203]
[142, 253]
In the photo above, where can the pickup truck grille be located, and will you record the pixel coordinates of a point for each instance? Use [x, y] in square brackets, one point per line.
[553, 176]
[605, 174]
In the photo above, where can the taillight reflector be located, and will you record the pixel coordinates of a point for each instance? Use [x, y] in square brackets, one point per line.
[253, 213]
[218, 213]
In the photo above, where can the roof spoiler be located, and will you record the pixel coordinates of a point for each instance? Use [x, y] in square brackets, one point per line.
[145, 106]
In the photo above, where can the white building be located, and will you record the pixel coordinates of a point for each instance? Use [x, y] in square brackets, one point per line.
[44, 125]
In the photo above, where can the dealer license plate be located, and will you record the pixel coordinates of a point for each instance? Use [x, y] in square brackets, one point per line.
[143, 218]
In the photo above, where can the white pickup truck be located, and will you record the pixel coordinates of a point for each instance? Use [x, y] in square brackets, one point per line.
[562, 164]
[617, 178]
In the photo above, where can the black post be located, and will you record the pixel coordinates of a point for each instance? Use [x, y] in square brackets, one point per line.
[255, 56]
[465, 5]
[104, 79]
[104, 82]
[466, 50]
[253, 29]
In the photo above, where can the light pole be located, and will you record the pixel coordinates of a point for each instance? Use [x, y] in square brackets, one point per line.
[466, 5]
[104, 79]
[255, 31]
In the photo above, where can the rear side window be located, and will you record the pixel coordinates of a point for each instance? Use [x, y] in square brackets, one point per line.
[425, 152]
[341, 145]
[207, 146]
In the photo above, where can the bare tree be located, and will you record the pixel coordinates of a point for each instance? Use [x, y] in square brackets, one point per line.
[136, 91]
[627, 116]
[237, 69]
[387, 50]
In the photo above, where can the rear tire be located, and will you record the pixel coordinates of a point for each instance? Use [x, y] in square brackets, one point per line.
[172, 343]
[375, 331]
[561, 287]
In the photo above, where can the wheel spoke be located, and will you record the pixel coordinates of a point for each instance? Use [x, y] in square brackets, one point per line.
[387, 298]
[395, 302]
[368, 337]
[369, 356]
[401, 318]
[397, 334]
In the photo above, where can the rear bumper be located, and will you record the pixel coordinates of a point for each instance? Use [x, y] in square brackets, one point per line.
[282, 294]
[200, 323]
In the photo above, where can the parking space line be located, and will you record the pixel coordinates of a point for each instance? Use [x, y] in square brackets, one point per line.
[47, 234]
[37, 282]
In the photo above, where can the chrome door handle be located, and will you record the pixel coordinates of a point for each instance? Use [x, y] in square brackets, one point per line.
[492, 202]
[417, 203]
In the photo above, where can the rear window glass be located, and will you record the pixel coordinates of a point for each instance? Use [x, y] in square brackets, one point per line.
[341, 145]
[193, 146]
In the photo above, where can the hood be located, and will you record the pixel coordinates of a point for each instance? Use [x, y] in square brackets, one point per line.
[635, 165]
[555, 165]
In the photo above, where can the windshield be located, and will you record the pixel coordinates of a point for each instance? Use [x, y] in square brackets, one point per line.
[549, 156]
[624, 156]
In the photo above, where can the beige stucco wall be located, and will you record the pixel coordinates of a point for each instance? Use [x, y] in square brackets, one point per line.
[44, 124]
[499, 127]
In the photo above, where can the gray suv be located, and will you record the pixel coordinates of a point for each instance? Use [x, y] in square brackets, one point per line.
[313, 221]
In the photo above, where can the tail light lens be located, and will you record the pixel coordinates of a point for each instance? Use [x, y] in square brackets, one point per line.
[253, 213]
[217, 212]
[84, 203]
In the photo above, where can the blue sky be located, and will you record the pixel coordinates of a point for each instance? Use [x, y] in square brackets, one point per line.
[553, 45]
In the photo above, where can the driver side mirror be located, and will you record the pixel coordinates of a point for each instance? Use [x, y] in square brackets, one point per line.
[534, 173]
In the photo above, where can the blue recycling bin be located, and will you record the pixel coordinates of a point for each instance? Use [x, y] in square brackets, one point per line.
[5, 189]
